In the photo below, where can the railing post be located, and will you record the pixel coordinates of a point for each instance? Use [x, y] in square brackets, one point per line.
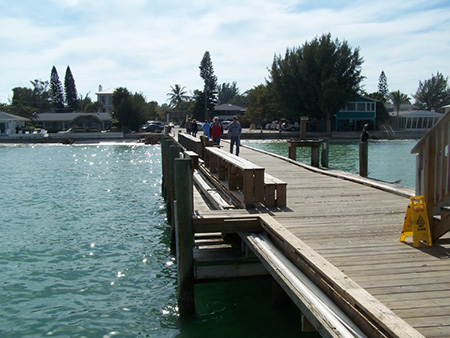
[184, 236]
[363, 158]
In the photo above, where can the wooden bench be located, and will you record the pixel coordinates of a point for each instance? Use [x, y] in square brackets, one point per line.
[239, 174]
[274, 191]
[190, 142]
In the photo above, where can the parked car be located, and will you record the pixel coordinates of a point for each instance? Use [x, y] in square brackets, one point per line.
[272, 126]
[291, 126]
[225, 124]
[153, 127]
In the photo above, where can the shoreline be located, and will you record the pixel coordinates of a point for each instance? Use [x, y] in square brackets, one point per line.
[152, 138]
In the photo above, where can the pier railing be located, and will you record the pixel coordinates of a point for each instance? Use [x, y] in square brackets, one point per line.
[433, 174]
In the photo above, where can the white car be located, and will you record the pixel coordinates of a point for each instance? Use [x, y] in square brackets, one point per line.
[225, 124]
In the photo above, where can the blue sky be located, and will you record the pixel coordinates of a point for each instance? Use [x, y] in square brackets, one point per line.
[149, 45]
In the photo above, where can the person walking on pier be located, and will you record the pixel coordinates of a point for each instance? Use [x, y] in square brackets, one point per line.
[206, 129]
[234, 133]
[194, 128]
[216, 131]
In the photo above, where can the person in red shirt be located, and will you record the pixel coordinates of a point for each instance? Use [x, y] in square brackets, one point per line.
[216, 131]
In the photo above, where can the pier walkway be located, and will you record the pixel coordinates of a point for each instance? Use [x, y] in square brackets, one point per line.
[356, 228]
[342, 231]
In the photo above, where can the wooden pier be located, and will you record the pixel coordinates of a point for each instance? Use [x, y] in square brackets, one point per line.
[338, 230]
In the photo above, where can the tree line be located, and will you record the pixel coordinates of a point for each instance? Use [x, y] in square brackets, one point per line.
[315, 79]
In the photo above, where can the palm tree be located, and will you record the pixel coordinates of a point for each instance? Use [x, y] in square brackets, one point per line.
[177, 96]
[398, 98]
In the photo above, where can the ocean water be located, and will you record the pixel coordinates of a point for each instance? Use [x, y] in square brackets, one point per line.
[389, 160]
[84, 252]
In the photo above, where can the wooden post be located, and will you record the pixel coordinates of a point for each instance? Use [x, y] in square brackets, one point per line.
[303, 120]
[325, 153]
[292, 151]
[174, 153]
[315, 155]
[165, 142]
[184, 236]
[363, 158]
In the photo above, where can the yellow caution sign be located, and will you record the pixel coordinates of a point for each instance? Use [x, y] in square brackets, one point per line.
[416, 222]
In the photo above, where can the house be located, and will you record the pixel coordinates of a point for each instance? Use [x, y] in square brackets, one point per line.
[63, 121]
[105, 97]
[356, 114]
[226, 111]
[10, 124]
[416, 119]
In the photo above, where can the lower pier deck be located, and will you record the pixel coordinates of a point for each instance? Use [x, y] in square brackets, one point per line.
[355, 228]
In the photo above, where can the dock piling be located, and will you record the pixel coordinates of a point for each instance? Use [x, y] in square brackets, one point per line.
[184, 236]
[363, 158]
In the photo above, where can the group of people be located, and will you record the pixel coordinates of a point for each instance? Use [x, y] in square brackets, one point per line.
[192, 127]
[214, 132]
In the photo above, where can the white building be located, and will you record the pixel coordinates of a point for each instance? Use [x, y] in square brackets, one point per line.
[9, 123]
[105, 97]
[416, 119]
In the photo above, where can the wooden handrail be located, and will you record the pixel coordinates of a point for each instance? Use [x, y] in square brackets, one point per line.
[433, 167]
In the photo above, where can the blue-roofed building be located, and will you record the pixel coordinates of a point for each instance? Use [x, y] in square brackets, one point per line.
[355, 114]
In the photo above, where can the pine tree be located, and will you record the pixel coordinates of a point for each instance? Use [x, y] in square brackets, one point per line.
[210, 80]
[56, 91]
[70, 90]
[383, 86]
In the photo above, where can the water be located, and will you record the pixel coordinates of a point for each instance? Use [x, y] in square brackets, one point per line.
[84, 252]
[389, 160]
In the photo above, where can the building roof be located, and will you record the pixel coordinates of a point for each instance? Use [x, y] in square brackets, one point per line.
[54, 117]
[416, 113]
[6, 117]
[108, 91]
[229, 107]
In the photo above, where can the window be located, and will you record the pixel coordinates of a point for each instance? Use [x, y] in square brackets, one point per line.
[351, 106]
[361, 106]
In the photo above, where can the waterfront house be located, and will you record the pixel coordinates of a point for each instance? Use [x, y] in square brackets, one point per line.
[105, 97]
[355, 114]
[62, 121]
[416, 119]
[10, 124]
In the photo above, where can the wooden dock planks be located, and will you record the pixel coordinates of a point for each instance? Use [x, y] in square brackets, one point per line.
[357, 228]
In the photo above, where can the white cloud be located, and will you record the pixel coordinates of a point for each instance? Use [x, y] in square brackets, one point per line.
[148, 46]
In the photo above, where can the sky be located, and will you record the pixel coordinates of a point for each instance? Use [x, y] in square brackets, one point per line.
[147, 46]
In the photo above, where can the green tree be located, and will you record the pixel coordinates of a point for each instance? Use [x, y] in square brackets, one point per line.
[41, 95]
[380, 109]
[383, 87]
[197, 105]
[260, 106]
[22, 96]
[70, 90]
[316, 79]
[240, 100]
[210, 84]
[93, 107]
[227, 92]
[130, 110]
[177, 97]
[83, 102]
[398, 98]
[433, 93]
[56, 91]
